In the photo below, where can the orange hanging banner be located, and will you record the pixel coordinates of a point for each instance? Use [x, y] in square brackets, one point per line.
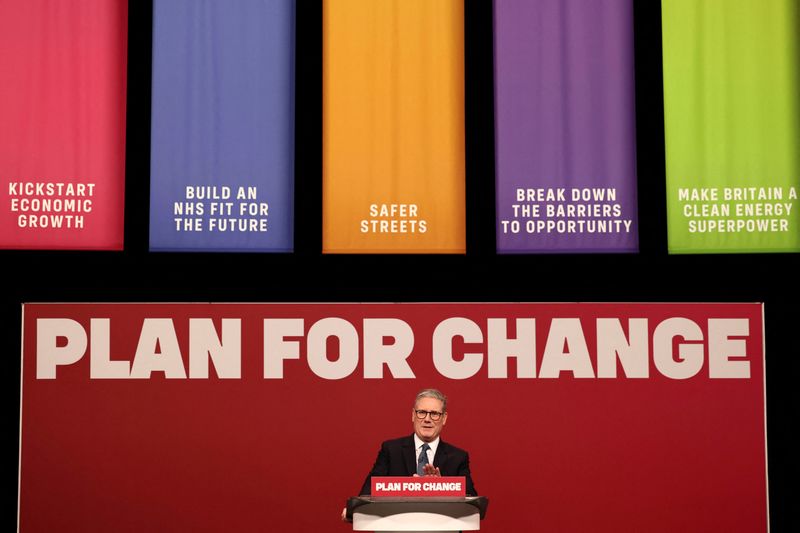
[393, 126]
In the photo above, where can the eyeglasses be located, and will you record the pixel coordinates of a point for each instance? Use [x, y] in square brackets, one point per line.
[421, 414]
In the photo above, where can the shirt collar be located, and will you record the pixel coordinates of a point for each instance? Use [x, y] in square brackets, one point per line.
[418, 442]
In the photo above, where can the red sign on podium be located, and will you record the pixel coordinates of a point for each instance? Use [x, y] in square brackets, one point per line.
[393, 487]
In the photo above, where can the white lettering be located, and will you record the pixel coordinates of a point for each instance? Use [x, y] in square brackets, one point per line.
[318, 336]
[501, 348]
[101, 365]
[721, 348]
[395, 355]
[276, 348]
[612, 344]
[690, 354]
[49, 354]
[158, 351]
[443, 348]
[566, 350]
[204, 344]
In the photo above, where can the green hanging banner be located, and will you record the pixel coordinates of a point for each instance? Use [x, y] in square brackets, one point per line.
[731, 125]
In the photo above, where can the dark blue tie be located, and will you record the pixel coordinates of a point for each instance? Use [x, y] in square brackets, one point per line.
[423, 459]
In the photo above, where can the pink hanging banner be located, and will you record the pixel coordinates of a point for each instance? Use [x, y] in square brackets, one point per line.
[62, 132]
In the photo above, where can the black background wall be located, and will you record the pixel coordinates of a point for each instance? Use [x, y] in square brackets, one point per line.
[306, 275]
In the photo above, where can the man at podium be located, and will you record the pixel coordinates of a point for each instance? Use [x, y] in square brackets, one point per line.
[423, 453]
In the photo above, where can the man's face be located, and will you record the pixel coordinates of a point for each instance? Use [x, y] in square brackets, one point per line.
[427, 429]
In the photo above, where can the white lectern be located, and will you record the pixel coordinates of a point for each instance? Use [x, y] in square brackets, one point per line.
[439, 514]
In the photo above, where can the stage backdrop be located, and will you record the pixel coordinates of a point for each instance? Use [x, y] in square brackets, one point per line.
[393, 126]
[222, 160]
[63, 68]
[732, 125]
[565, 126]
[243, 417]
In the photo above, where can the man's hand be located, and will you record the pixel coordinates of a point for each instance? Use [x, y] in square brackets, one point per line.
[430, 471]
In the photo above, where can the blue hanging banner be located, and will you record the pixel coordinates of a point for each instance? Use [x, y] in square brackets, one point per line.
[222, 158]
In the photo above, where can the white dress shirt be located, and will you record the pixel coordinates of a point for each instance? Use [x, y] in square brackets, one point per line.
[418, 442]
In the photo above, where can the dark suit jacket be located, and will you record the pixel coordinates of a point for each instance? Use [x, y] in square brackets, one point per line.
[398, 458]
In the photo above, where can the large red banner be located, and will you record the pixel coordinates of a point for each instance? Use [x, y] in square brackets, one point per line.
[224, 417]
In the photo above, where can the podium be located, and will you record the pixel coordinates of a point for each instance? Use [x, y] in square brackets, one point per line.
[440, 514]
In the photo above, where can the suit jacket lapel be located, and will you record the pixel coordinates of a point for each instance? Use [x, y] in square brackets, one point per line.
[441, 454]
[410, 455]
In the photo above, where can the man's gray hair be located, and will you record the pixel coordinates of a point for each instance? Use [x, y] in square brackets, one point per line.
[432, 393]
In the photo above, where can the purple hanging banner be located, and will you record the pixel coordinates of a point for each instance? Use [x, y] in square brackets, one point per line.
[565, 126]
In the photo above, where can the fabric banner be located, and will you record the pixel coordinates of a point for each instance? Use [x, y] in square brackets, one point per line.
[63, 68]
[731, 125]
[222, 161]
[393, 126]
[243, 417]
[565, 126]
